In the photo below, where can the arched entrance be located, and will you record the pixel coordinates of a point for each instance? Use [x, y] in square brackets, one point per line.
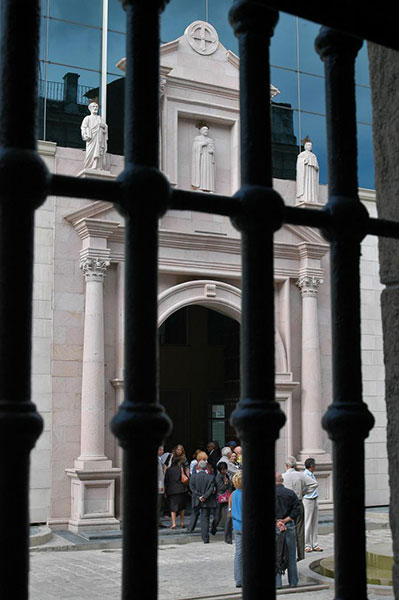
[222, 300]
[199, 375]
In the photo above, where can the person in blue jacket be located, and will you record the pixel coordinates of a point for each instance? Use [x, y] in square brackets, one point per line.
[235, 511]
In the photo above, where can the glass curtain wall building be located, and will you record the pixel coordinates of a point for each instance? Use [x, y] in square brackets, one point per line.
[82, 40]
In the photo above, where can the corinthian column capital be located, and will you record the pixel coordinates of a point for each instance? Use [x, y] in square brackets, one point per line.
[94, 269]
[309, 284]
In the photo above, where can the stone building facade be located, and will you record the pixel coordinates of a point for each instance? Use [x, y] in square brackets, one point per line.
[78, 368]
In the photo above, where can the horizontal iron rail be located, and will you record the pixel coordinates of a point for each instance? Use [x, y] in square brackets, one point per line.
[374, 26]
[229, 206]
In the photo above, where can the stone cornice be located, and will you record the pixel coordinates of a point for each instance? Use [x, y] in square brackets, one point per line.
[95, 208]
[95, 228]
[199, 86]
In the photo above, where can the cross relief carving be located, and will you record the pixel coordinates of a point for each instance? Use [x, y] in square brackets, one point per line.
[202, 37]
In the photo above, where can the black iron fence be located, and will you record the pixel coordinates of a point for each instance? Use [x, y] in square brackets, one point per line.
[142, 194]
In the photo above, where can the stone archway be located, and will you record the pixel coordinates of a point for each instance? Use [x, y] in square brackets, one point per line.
[226, 299]
[217, 295]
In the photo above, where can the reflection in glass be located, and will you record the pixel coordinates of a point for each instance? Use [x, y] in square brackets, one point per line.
[116, 113]
[116, 50]
[218, 11]
[312, 94]
[87, 12]
[178, 15]
[365, 157]
[283, 43]
[362, 74]
[314, 127]
[309, 60]
[116, 16]
[74, 45]
[363, 104]
[65, 95]
[286, 82]
[43, 39]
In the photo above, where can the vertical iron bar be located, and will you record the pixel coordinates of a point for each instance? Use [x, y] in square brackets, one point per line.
[20, 424]
[141, 421]
[258, 417]
[347, 420]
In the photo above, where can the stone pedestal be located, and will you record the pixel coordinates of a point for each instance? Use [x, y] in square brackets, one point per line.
[93, 499]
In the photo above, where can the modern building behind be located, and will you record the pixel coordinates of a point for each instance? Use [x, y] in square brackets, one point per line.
[200, 265]
[87, 39]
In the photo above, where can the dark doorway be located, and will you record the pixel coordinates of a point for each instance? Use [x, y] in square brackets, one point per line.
[199, 376]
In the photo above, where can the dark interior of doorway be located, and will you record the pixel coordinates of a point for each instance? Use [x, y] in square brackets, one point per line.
[199, 376]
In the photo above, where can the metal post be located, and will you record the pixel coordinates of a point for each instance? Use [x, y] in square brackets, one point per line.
[258, 417]
[141, 421]
[20, 424]
[347, 420]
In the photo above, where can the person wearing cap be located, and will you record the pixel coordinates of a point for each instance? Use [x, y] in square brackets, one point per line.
[301, 484]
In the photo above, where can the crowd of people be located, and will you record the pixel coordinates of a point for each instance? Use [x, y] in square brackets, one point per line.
[212, 482]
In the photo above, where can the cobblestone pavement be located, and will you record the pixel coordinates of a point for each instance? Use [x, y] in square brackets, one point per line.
[188, 570]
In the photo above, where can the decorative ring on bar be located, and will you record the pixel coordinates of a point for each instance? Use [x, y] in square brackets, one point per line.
[261, 208]
[32, 188]
[145, 192]
[262, 416]
[348, 419]
[330, 41]
[146, 3]
[255, 17]
[135, 420]
[349, 220]
[19, 421]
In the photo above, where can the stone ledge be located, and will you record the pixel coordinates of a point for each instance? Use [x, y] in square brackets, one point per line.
[39, 534]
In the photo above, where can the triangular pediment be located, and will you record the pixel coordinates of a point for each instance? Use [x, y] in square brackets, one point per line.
[100, 210]
[296, 235]
[199, 56]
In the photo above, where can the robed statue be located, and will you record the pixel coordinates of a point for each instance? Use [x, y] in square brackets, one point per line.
[203, 161]
[95, 133]
[307, 176]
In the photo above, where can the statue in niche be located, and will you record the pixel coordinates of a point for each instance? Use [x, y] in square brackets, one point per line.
[95, 133]
[203, 161]
[307, 175]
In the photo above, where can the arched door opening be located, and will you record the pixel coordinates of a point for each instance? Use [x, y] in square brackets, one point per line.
[199, 376]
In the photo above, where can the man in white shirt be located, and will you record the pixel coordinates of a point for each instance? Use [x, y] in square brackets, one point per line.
[310, 504]
[301, 484]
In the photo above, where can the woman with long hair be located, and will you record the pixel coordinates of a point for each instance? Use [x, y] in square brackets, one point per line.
[176, 484]
[223, 492]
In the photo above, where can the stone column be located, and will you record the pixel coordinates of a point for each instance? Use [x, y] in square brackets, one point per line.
[311, 370]
[93, 478]
[93, 386]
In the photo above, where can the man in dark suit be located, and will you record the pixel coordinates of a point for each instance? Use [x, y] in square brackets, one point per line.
[202, 486]
[214, 454]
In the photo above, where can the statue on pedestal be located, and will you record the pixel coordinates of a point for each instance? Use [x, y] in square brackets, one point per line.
[307, 176]
[203, 161]
[95, 133]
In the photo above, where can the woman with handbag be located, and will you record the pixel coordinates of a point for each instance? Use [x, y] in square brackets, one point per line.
[176, 485]
[223, 491]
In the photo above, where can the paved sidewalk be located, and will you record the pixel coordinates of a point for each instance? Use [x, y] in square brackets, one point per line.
[185, 571]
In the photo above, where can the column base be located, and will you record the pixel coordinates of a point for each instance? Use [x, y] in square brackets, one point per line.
[93, 499]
